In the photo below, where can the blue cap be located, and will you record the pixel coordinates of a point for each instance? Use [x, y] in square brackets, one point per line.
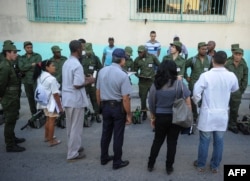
[119, 53]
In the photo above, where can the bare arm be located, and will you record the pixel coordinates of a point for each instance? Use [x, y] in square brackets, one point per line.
[58, 101]
[127, 107]
[98, 97]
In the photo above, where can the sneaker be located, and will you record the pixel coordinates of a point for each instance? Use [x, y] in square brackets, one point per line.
[80, 156]
[15, 148]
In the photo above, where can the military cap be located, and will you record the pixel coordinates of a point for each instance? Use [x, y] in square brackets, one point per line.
[88, 48]
[235, 46]
[128, 50]
[177, 44]
[10, 47]
[6, 42]
[141, 48]
[202, 44]
[119, 53]
[27, 43]
[56, 48]
[238, 50]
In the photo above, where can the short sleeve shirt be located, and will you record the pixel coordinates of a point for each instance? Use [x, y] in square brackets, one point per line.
[73, 75]
[113, 83]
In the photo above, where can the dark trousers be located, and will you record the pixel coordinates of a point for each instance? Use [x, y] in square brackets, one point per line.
[30, 90]
[113, 122]
[164, 128]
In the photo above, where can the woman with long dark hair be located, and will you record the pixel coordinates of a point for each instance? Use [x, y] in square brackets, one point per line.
[43, 74]
[161, 98]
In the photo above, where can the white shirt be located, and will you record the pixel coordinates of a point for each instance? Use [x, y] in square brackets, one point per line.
[73, 74]
[51, 86]
[214, 88]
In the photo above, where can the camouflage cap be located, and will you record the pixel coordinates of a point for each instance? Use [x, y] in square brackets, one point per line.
[235, 46]
[128, 50]
[141, 48]
[238, 50]
[10, 47]
[177, 44]
[27, 43]
[56, 48]
[88, 48]
[202, 44]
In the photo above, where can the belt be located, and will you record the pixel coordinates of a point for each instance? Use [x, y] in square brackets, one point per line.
[112, 101]
[13, 88]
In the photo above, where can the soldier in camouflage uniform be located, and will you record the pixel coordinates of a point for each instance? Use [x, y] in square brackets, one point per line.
[198, 64]
[10, 97]
[129, 64]
[144, 67]
[174, 55]
[240, 69]
[27, 64]
[91, 63]
[58, 60]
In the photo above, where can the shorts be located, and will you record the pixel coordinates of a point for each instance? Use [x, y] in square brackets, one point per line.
[50, 114]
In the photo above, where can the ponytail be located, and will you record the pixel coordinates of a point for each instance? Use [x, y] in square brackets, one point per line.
[39, 67]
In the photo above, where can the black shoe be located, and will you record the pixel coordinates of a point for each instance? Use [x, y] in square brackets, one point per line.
[123, 164]
[144, 116]
[19, 140]
[150, 168]
[169, 170]
[104, 162]
[98, 119]
[234, 130]
[15, 148]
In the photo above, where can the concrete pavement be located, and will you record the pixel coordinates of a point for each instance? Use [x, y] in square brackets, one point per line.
[40, 162]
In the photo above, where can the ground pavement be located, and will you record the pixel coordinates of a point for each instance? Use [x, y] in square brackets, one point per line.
[41, 163]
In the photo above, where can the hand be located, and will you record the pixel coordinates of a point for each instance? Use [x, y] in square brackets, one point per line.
[179, 77]
[188, 79]
[153, 123]
[89, 80]
[128, 119]
[33, 64]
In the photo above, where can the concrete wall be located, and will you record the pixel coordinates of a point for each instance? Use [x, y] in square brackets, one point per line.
[112, 19]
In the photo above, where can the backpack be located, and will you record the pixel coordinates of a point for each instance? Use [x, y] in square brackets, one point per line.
[41, 96]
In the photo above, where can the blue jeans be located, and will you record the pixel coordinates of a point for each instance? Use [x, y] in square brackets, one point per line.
[218, 143]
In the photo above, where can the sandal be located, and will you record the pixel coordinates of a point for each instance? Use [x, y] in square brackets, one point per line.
[46, 139]
[199, 169]
[214, 170]
[55, 142]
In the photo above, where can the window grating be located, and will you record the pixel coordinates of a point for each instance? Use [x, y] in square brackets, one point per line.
[220, 11]
[56, 11]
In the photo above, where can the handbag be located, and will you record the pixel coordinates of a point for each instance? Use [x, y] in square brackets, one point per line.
[182, 115]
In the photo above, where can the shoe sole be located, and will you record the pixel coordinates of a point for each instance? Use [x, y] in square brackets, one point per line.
[77, 158]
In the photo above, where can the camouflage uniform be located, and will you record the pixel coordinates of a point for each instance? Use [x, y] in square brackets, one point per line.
[25, 65]
[10, 95]
[91, 63]
[144, 68]
[241, 72]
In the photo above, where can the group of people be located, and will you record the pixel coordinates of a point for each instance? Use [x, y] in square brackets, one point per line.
[215, 84]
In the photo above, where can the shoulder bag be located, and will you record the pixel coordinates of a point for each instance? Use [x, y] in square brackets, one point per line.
[182, 115]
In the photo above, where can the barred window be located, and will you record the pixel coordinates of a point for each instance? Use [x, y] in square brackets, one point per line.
[69, 11]
[183, 10]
